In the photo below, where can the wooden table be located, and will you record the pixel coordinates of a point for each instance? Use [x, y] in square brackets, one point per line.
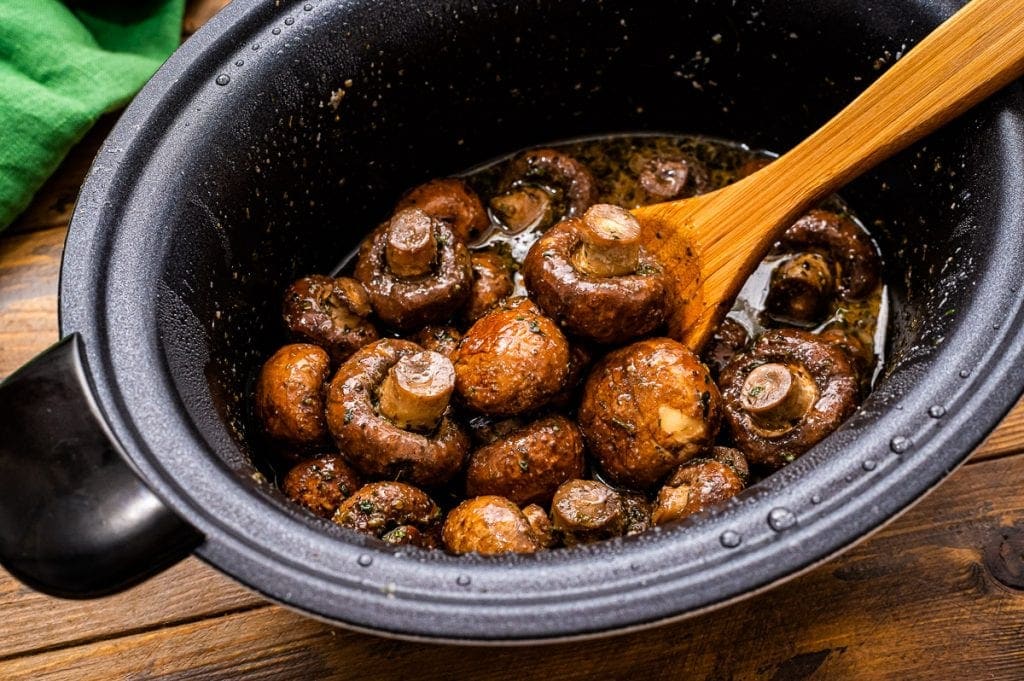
[937, 594]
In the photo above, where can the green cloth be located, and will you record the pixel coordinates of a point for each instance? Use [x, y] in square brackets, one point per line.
[62, 67]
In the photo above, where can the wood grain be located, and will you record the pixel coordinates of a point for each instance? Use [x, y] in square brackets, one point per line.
[884, 610]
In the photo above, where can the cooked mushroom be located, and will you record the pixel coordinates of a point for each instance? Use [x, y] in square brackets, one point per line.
[543, 186]
[859, 352]
[786, 394]
[848, 246]
[637, 511]
[668, 177]
[492, 283]
[380, 508]
[514, 359]
[580, 359]
[332, 313]
[593, 278]
[415, 270]
[320, 484]
[454, 202]
[387, 408]
[729, 339]
[290, 395]
[801, 290]
[647, 408]
[695, 486]
[529, 464]
[734, 459]
[410, 535]
[442, 339]
[540, 523]
[489, 525]
[584, 511]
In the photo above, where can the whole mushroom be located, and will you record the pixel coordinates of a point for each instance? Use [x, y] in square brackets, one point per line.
[646, 409]
[665, 177]
[540, 187]
[846, 245]
[330, 312]
[585, 511]
[388, 410]
[695, 486]
[489, 525]
[513, 360]
[320, 484]
[380, 508]
[452, 201]
[787, 393]
[800, 290]
[592, 277]
[527, 465]
[290, 395]
[415, 270]
[540, 523]
[492, 283]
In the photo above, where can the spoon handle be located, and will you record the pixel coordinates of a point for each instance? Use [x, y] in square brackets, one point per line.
[976, 52]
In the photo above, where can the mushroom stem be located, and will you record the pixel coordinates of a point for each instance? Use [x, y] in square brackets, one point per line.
[416, 391]
[778, 393]
[610, 242]
[522, 209]
[411, 248]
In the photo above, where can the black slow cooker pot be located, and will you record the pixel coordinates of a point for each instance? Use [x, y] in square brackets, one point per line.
[240, 166]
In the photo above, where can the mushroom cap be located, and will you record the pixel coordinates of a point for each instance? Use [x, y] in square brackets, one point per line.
[850, 246]
[602, 309]
[379, 507]
[289, 395]
[837, 390]
[330, 312]
[492, 283]
[453, 201]
[372, 444]
[320, 484]
[512, 360]
[406, 304]
[555, 170]
[489, 525]
[527, 465]
[646, 409]
[583, 511]
[668, 177]
[729, 339]
[540, 523]
[695, 486]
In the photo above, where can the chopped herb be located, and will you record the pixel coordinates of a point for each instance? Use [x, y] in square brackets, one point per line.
[524, 465]
[646, 269]
[366, 506]
[949, 313]
[755, 391]
[625, 425]
[348, 415]
[535, 327]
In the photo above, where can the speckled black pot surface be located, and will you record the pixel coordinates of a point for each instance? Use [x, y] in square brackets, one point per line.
[233, 172]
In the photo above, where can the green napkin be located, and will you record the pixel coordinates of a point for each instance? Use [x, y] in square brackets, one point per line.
[61, 68]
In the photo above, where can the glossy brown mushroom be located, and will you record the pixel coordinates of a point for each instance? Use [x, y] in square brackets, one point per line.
[440, 338]
[848, 246]
[489, 525]
[801, 290]
[513, 360]
[584, 511]
[415, 271]
[568, 183]
[784, 395]
[859, 351]
[637, 512]
[452, 201]
[320, 484]
[728, 340]
[290, 395]
[540, 523]
[381, 507]
[410, 535]
[527, 465]
[492, 283]
[594, 279]
[383, 387]
[646, 409]
[330, 312]
[695, 486]
[668, 177]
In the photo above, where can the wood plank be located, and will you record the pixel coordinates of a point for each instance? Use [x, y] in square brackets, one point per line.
[198, 12]
[885, 609]
[1005, 440]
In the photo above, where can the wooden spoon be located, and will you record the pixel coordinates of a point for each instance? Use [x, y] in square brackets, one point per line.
[710, 244]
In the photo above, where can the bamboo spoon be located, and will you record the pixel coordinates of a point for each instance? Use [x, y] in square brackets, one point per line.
[710, 244]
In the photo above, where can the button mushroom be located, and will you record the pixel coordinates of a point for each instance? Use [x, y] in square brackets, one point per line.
[492, 283]
[540, 523]
[527, 465]
[786, 394]
[646, 409]
[388, 410]
[380, 508]
[729, 339]
[332, 313]
[801, 289]
[592, 276]
[584, 511]
[442, 339]
[489, 525]
[668, 177]
[541, 187]
[289, 395]
[452, 201]
[320, 484]
[513, 360]
[415, 270]
[848, 247]
[695, 486]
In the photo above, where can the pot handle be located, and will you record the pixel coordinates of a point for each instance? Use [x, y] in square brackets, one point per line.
[75, 519]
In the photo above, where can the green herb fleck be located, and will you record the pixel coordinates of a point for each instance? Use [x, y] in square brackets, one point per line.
[755, 391]
[535, 327]
[524, 465]
[625, 425]
[366, 506]
[348, 416]
[645, 269]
